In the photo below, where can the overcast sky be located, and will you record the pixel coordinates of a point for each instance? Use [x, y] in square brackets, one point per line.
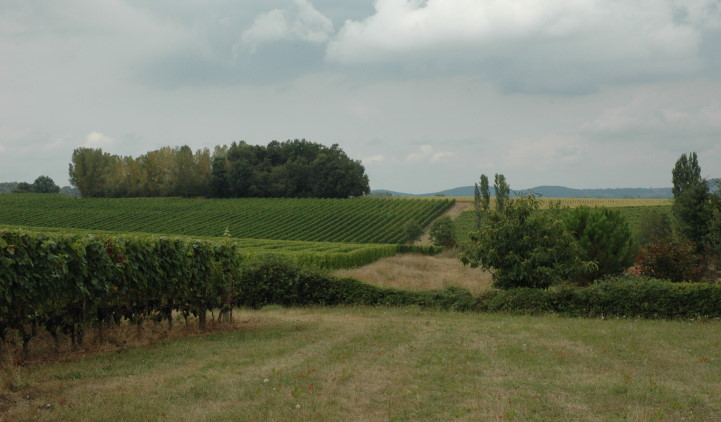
[429, 94]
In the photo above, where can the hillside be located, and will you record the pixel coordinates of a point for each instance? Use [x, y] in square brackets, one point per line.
[360, 220]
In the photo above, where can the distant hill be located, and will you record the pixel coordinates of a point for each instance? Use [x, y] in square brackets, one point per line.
[552, 192]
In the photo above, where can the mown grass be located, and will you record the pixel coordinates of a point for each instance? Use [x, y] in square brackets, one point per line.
[400, 364]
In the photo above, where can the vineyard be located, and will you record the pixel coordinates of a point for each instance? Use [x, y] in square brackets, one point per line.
[322, 255]
[358, 220]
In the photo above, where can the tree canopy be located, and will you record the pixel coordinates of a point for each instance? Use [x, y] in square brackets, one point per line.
[296, 168]
[42, 184]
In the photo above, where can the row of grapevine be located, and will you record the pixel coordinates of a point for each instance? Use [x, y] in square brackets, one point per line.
[66, 281]
[322, 255]
[357, 220]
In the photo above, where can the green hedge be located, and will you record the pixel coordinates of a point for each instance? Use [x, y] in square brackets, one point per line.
[618, 297]
[273, 280]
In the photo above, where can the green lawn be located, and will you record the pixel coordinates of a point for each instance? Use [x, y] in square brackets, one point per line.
[401, 364]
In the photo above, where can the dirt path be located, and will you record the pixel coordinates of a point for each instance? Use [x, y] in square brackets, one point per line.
[453, 212]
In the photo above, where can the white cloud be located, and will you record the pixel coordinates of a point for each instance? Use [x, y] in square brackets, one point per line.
[304, 23]
[97, 140]
[544, 153]
[426, 154]
[526, 39]
[403, 26]
[687, 116]
[374, 159]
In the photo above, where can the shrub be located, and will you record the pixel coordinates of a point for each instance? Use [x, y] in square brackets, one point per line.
[412, 231]
[271, 280]
[617, 297]
[442, 232]
[670, 258]
[523, 248]
[655, 224]
[604, 238]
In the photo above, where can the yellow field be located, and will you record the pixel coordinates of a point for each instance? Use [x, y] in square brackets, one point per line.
[590, 202]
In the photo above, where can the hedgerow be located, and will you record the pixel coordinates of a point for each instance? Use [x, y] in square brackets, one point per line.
[617, 297]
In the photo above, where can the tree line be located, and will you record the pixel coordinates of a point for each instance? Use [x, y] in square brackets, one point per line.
[294, 168]
[524, 247]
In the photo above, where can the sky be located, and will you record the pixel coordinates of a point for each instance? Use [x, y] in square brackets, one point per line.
[428, 94]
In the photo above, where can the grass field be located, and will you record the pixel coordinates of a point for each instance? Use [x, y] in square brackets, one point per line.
[400, 364]
[356, 220]
[421, 272]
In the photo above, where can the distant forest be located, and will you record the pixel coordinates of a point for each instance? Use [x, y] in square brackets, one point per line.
[9, 187]
[296, 168]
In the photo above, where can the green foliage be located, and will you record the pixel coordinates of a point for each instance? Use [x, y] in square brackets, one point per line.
[477, 205]
[714, 236]
[523, 248]
[443, 233]
[23, 187]
[627, 297]
[485, 193]
[691, 199]
[686, 174]
[289, 169]
[42, 184]
[357, 220]
[503, 191]
[604, 238]
[64, 282]
[7, 187]
[45, 184]
[412, 231]
[654, 224]
[670, 258]
[481, 200]
[270, 280]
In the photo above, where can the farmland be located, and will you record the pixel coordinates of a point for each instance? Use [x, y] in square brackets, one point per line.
[323, 255]
[361, 220]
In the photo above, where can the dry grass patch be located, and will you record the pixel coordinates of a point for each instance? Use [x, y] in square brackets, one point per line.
[420, 272]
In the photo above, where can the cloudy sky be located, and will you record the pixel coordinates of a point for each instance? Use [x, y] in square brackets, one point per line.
[429, 94]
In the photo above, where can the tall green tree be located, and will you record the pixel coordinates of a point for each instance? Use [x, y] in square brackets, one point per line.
[44, 184]
[23, 187]
[443, 233]
[605, 239]
[521, 247]
[481, 199]
[691, 204]
[485, 193]
[477, 205]
[88, 171]
[503, 191]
